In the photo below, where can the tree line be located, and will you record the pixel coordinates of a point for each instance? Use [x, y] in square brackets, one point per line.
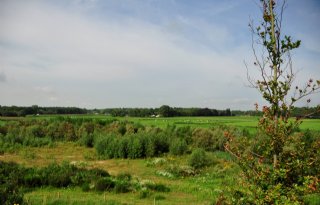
[163, 111]
[21, 111]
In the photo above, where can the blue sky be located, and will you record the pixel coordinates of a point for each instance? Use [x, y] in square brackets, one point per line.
[141, 53]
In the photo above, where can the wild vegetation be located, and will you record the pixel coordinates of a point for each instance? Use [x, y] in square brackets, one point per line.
[172, 158]
[280, 166]
[180, 161]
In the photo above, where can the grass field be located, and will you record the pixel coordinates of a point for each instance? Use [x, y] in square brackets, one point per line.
[203, 188]
[248, 122]
[245, 122]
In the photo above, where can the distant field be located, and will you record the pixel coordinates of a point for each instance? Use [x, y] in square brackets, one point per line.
[247, 122]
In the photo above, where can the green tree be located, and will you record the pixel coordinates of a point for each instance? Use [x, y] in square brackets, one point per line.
[166, 111]
[276, 162]
[277, 74]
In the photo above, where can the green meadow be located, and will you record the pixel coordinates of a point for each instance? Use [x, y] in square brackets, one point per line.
[248, 122]
[217, 179]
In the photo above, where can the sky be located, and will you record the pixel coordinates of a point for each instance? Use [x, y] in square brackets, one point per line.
[142, 53]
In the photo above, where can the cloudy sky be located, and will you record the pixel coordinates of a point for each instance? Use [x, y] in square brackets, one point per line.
[141, 53]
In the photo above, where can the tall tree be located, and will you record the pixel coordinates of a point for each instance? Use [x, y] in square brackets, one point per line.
[276, 70]
[276, 164]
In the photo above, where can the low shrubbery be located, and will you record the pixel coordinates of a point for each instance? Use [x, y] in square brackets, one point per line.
[213, 139]
[132, 146]
[36, 133]
[178, 146]
[111, 138]
[15, 179]
[199, 159]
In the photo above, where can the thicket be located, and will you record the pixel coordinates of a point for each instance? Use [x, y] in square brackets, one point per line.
[15, 180]
[40, 132]
[199, 159]
[111, 138]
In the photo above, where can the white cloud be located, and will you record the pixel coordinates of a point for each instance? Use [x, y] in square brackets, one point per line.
[114, 62]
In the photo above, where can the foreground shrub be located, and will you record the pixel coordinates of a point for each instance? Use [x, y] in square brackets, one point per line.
[285, 180]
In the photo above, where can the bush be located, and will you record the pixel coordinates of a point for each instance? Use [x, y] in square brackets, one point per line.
[180, 171]
[135, 148]
[85, 187]
[56, 175]
[96, 172]
[132, 146]
[312, 199]
[103, 184]
[157, 187]
[184, 133]
[178, 147]
[11, 176]
[10, 194]
[32, 179]
[14, 179]
[144, 194]
[158, 144]
[122, 129]
[35, 131]
[122, 186]
[86, 139]
[124, 176]
[198, 159]
[210, 140]
[3, 130]
[122, 147]
[104, 145]
[159, 197]
[203, 138]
